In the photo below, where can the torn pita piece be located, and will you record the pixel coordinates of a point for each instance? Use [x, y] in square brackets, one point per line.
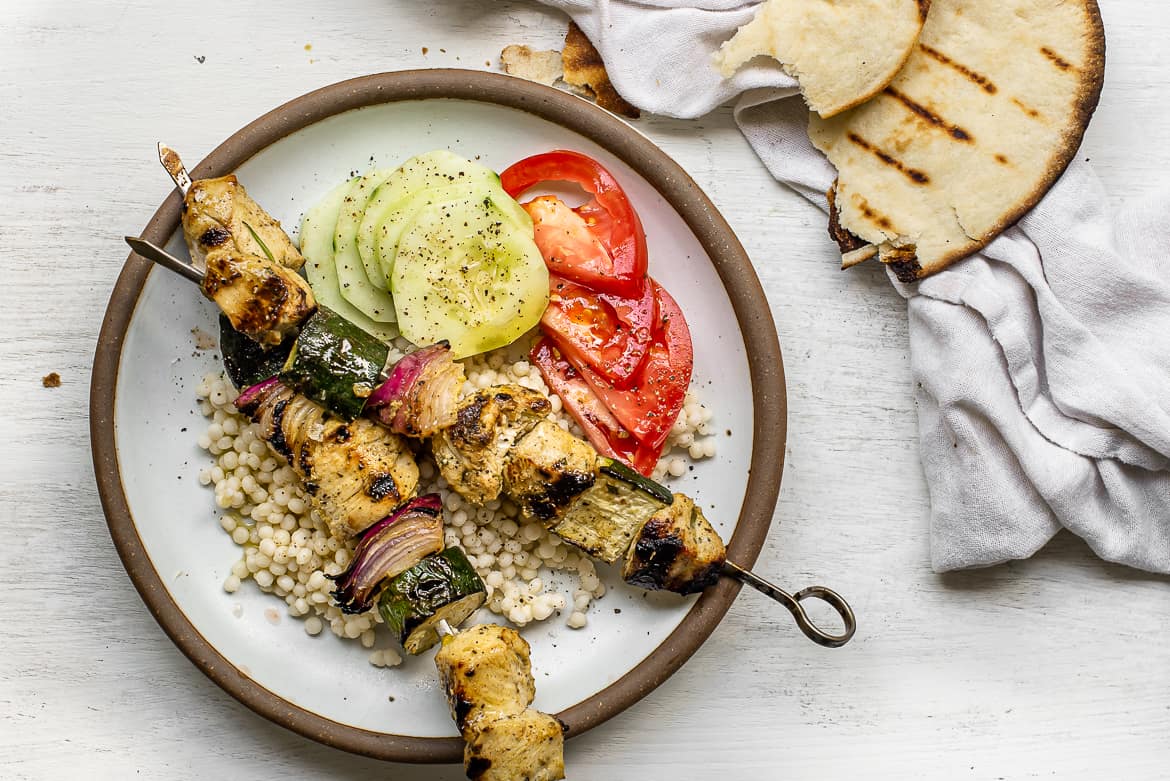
[842, 52]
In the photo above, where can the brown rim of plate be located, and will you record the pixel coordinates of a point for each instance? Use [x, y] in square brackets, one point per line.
[668, 178]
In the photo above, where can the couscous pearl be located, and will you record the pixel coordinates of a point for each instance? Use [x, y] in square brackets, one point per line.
[313, 626]
[576, 620]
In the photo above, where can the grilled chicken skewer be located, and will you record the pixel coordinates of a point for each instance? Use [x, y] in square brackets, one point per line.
[219, 214]
[355, 473]
[501, 439]
[248, 262]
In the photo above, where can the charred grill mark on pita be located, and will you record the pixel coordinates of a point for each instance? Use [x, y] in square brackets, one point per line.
[874, 216]
[956, 132]
[913, 174]
[1056, 59]
[1001, 159]
[977, 78]
[923, 8]
[1024, 107]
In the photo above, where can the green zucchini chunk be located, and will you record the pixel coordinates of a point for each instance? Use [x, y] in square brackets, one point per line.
[335, 363]
[443, 586]
[604, 520]
[246, 361]
[622, 472]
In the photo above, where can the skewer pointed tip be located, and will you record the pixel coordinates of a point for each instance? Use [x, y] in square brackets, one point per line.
[174, 164]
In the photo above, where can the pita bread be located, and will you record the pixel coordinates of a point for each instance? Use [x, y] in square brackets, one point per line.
[985, 115]
[543, 67]
[841, 51]
[585, 70]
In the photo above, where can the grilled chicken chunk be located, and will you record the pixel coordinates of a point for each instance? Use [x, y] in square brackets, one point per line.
[262, 299]
[355, 473]
[471, 453]
[547, 470]
[487, 675]
[676, 550]
[219, 214]
[529, 746]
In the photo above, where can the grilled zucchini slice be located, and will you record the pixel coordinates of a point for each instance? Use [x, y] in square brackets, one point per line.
[443, 586]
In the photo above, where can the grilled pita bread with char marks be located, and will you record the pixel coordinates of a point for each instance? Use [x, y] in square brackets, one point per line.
[842, 52]
[983, 118]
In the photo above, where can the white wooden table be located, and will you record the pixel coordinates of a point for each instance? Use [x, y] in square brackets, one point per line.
[1054, 667]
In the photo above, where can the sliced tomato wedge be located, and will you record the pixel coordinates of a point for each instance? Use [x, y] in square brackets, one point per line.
[632, 424]
[650, 406]
[609, 334]
[570, 238]
[603, 430]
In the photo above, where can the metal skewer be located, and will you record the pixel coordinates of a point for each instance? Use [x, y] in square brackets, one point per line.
[174, 164]
[164, 259]
[792, 602]
[730, 569]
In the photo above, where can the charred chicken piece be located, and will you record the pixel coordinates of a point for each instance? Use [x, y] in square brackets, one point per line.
[472, 452]
[487, 675]
[262, 299]
[675, 550]
[486, 672]
[547, 470]
[355, 473]
[529, 746]
[219, 214]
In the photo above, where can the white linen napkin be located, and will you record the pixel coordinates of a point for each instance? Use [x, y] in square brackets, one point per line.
[1041, 365]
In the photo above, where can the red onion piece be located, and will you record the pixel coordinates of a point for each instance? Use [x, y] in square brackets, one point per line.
[250, 395]
[389, 547]
[432, 503]
[420, 395]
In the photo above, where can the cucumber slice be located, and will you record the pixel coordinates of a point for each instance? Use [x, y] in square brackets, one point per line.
[335, 363]
[392, 222]
[443, 586]
[465, 273]
[433, 169]
[367, 295]
[316, 241]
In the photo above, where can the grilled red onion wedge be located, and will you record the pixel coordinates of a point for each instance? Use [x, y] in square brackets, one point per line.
[388, 548]
[421, 395]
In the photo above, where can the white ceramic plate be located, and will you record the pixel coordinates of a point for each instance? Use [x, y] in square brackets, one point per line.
[166, 524]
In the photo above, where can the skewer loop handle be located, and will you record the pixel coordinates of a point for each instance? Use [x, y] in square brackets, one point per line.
[792, 603]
